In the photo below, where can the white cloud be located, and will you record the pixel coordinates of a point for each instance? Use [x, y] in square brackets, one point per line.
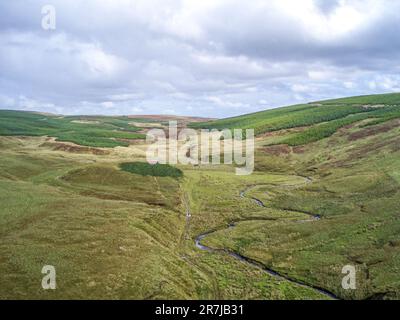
[6, 102]
[220, 58]
[347, 16]
[349, 84]
[125, 96]
[219, 101]
[107, 104]
[136, 110]
[300, 88]
[240, 65]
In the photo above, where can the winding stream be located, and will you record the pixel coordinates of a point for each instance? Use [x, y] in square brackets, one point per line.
[250, 261]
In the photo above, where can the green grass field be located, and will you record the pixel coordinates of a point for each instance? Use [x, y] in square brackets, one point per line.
[86, 131]
[324, 194]
[321, 119]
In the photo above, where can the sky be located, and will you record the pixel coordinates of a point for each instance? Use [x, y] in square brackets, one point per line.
[209, 58]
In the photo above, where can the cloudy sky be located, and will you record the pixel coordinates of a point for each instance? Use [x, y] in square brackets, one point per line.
[213, 58]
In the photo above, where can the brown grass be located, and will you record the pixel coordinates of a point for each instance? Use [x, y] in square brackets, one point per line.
[277, 150]
[72, 148]
[372, 131]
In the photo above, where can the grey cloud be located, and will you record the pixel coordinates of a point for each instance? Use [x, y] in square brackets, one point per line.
[327, 6]
[206, 58]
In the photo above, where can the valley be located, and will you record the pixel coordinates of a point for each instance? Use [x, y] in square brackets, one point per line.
[76, 193]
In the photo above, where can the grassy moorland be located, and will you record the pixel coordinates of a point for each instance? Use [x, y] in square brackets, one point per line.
[354, 188]
[324, 194]
[86, 131]
[320, 119]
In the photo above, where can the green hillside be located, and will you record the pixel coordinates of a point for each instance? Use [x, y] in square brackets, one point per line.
[316, 120]
[84, 130]
[320, 119]
[389, 99]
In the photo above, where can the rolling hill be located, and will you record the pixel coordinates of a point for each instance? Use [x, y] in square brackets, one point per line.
[319, 119]
[324, 194]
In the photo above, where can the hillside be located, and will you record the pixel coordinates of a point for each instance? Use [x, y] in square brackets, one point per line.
[84, 130]
[115, 227]
[318, 120]
[91, 131]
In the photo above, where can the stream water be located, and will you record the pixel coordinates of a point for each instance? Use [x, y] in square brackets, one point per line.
[252, 262]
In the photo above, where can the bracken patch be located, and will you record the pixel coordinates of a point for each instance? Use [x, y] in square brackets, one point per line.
[373, 131]
[74, 148]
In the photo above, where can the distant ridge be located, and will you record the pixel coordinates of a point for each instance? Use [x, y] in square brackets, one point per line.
[318, 119]
[171, 117]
